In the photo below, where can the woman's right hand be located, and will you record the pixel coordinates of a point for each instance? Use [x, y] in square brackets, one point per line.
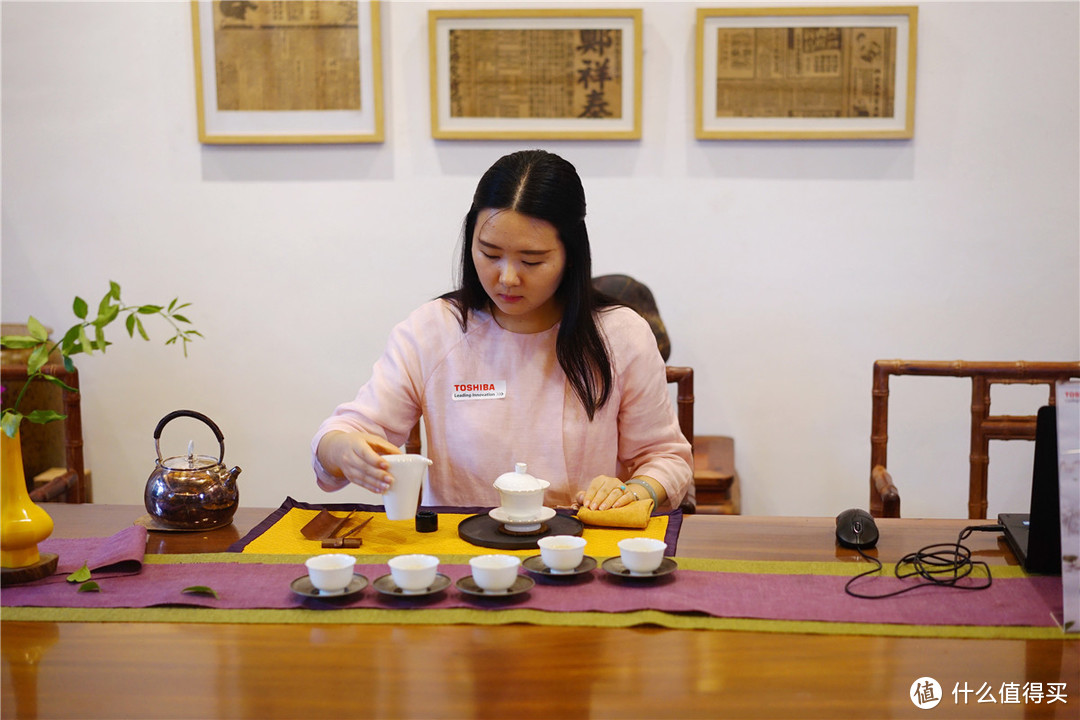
[357, 457]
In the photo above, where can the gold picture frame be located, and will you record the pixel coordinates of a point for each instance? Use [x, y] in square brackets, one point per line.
[288, 73]
[535, 74]
[783, 73]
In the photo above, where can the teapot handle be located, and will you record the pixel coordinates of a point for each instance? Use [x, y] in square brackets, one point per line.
[192, 414]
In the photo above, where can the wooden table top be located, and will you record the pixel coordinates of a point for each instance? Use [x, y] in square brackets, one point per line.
[173, 670]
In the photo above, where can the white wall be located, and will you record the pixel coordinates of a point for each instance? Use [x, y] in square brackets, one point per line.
[783, 269]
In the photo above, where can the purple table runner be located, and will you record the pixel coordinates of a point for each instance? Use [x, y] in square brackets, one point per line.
[121, 553]
[1027, 601]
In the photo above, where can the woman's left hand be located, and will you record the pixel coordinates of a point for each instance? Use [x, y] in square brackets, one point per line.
[606, 492]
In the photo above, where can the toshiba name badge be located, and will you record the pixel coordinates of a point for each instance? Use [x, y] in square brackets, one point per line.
[495, 390]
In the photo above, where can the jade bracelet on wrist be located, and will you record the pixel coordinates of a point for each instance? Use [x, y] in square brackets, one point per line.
[647, 486]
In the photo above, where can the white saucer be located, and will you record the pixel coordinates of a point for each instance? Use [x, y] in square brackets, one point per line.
[516, 525]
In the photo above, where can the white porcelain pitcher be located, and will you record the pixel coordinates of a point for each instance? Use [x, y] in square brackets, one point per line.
[403, 497]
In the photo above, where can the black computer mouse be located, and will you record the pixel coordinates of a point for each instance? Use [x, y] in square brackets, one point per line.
[855, 528]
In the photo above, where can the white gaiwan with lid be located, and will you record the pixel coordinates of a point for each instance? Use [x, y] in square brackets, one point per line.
[522, 500]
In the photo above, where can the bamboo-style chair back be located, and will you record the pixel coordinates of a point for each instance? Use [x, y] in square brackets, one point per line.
[884, 497]
[70, 486]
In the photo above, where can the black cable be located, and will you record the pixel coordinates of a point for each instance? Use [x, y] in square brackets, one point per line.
[936, 566]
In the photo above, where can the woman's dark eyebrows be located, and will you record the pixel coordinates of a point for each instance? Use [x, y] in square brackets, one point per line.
[493, 246]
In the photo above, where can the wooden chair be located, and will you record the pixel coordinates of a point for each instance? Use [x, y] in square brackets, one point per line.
[716, 483]
[715, 489]
[884, 497]
[72, 485]
[638, 296]
[683, 377]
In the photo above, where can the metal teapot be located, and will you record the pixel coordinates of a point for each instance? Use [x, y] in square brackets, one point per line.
[191, 492]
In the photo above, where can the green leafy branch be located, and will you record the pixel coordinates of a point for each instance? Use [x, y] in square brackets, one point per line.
[86, 336]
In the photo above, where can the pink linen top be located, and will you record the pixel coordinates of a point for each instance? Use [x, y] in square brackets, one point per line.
[491, 398]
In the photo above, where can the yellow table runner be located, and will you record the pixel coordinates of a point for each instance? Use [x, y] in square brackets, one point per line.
[389, 537]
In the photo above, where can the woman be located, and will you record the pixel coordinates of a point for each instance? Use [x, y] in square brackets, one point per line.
[522, 363]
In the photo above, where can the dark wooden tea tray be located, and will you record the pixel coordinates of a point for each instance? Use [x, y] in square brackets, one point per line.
[486, 531]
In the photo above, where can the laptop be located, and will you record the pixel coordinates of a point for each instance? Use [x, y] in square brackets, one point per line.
[1035, 537]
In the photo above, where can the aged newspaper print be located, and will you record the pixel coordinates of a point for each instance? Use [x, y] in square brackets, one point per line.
[504, 73]
[806, 72]
[287, 55]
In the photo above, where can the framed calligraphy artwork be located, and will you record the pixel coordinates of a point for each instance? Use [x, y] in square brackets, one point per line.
[535, 74]
[805, 72]
[287, 71]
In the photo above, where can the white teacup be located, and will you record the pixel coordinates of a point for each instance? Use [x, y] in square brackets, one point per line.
[495, 573]
[403, 496]
[562, 553]
[331, 573]
[413, 573]
[641, 554]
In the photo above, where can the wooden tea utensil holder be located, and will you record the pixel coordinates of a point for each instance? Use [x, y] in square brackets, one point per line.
[325, 526]
[346, 541]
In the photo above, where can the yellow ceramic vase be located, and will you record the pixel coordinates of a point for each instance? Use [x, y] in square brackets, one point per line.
[22, 523]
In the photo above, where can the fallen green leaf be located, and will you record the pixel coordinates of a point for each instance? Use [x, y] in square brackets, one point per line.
[89, 586]
[200, 590]
[80, 575]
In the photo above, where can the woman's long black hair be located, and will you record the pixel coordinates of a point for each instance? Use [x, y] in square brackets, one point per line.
[545, 186]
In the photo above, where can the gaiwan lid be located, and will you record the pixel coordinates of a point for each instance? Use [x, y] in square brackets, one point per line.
[519, 480]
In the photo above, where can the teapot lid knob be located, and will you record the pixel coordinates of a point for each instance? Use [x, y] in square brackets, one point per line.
[520, 468]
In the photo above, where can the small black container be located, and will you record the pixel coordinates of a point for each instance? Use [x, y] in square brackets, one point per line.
[427, 521]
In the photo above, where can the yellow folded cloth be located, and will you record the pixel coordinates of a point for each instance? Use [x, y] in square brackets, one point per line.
[635, 515]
